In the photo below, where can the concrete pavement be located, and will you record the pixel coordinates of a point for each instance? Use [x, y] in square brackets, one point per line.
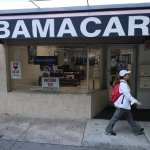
[15, 145]
[94, 135]
[80, 133]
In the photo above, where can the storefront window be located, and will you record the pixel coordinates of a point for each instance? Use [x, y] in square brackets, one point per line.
[55, 68]
[95, 68]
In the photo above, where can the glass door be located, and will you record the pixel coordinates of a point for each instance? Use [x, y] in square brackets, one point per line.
[121, 57]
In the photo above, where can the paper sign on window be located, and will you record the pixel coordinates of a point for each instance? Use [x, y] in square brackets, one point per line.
[15, 70]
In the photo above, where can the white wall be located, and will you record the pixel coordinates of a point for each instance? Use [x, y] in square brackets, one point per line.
[42, 105]
[3, 69]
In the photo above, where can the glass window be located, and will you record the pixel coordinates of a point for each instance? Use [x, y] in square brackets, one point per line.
[47, 68]
[94, 68]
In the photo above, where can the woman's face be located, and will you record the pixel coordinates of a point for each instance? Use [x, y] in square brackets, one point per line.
[126, 77]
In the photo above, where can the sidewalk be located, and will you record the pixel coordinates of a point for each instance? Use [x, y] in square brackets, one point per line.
[71, 132]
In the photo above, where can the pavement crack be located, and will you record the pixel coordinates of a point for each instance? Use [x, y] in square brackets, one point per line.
[84, 133]
[146, 137]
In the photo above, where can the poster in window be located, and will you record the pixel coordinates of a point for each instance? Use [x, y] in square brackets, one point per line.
[51, 83]
[15, 70]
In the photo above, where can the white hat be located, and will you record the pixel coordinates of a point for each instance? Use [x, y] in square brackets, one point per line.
[122, 73]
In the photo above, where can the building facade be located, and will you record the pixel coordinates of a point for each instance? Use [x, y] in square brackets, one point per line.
[61, 64]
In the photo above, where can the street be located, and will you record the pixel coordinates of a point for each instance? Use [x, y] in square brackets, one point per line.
[18, 145]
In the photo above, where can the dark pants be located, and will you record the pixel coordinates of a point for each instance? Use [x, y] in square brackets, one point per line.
[117, 115]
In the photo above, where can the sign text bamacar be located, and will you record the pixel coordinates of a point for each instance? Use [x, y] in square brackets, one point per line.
[74, 27]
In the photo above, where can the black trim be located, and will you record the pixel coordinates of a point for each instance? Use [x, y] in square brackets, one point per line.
[87, 41]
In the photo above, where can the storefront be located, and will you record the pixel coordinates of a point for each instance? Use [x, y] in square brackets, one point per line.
[61, 64]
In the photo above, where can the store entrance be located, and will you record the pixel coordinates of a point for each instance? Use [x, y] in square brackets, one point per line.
[121, 57]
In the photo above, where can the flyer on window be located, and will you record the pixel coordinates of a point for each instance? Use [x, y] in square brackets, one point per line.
[15, 70]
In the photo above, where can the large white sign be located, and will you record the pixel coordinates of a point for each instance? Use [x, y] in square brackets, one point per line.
[15, 70]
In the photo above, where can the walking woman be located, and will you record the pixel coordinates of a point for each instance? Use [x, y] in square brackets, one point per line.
[123, 106]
